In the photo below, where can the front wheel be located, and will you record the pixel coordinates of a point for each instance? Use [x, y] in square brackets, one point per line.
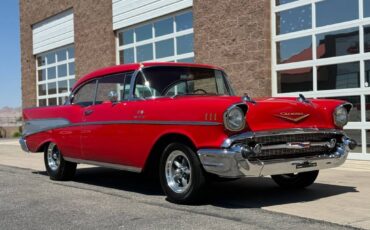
[180, 173]
[56, 167]
[299, 180]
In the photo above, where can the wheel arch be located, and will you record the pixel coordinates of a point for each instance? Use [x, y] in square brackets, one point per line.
[44, 145]
[152, 161]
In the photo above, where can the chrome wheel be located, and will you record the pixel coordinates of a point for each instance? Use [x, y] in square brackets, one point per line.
[53, 156]
[178, 171]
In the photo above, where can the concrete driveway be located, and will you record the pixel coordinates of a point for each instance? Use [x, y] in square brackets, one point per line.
[339, 196]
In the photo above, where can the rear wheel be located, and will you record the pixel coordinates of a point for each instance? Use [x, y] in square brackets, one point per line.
[181, 175]
[56, 167]
[299, 180]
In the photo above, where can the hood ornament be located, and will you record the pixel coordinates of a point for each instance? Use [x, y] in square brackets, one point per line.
[302, 98]
[247, 98]
[295, 116]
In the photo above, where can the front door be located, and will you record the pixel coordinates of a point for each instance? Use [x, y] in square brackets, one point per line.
[104, 131]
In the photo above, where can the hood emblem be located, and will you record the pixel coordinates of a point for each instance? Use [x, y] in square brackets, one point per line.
[295, 117]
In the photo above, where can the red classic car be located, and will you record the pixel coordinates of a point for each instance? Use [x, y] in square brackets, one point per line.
[183, 122]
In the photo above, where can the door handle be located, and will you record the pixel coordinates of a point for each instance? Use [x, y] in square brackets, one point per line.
[88, 112]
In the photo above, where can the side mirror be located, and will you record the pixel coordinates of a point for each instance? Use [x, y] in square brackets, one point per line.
[113, 96]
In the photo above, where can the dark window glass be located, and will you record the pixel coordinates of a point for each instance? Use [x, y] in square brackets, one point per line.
[42, 90]
[52, 74]
[368, 141]
[42, 102]
[340, 76]
[336, 11]
[356, 135]
[144, 53]
[109, 84]
[164, 48]
[294, 50]
[127, 56]
[85, 95]
[184, 21]
[143, 32]
[295, 19]
[42, 74]
[367, 73]
[52, 88]
[62, 70]
[187, 60]
[366, 8]
[41, 60]
[337, 43]
[71, 67]
[71, 53]
[295, 80]
[62, 55]
[71, 83]
[367, 38]
[52, 101]
[185, 44]
[367, 106]
[281, 2]
[126, 37]
[170, 81]
[50, 58]
[355, 114]
[163, 27]
[63, 87]
[62, 100]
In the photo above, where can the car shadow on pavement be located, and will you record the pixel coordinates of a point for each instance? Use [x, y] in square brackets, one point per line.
[116, 179]
[263, 192]
[242, 193]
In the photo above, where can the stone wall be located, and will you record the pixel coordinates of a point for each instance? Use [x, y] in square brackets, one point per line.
[235, 34]
[94, 37]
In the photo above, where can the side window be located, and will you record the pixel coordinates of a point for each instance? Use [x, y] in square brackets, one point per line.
[85, 95]
[118, 83]
[144, 89]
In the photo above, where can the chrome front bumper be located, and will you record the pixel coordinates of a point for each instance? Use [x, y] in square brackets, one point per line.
[23, 144]
[230, 163]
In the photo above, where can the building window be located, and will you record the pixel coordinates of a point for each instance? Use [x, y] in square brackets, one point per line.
[335, 11]
[366, 8]
[321, 48]
[55, 76]
[167, 39]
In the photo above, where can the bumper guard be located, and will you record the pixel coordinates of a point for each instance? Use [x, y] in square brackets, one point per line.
[230, 163]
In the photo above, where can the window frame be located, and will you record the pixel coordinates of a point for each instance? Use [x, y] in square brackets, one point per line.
[315, 63]
[69, 78]
[174, 35]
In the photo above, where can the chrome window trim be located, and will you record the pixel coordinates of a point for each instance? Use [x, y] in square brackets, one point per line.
[140, 70]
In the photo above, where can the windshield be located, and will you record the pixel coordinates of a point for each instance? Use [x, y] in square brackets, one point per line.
[173, 81]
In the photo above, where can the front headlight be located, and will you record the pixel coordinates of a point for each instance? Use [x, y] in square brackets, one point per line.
[234, 119]
[340, 116]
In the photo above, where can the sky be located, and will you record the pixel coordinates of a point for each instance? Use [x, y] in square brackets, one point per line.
[10, 66]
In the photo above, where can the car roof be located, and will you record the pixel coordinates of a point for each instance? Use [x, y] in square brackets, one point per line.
[135, 66]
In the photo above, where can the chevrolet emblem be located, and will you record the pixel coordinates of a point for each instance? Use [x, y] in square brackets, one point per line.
[295, 117]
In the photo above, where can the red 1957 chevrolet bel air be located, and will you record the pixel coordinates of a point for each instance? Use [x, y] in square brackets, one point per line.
[183, 122]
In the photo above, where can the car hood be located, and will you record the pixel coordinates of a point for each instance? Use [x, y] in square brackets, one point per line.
[288, 113]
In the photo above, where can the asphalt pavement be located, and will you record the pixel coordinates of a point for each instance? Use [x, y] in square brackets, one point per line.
[100, 198]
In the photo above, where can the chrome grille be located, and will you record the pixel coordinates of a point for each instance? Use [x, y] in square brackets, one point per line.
[292, 153]
[293, 138]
